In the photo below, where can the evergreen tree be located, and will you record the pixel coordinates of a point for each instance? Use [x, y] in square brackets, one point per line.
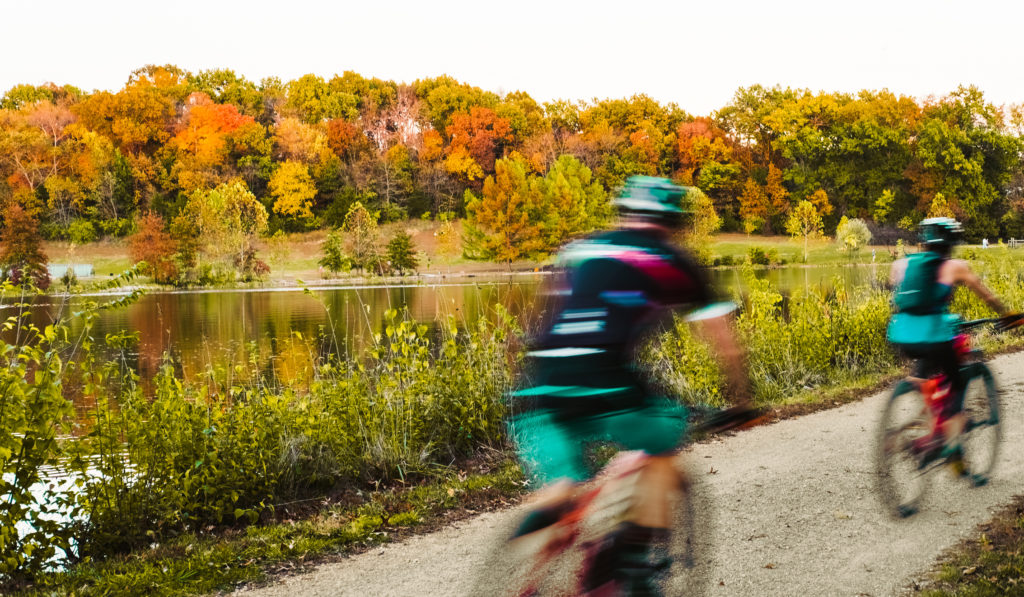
[335, 260]
[401, 253]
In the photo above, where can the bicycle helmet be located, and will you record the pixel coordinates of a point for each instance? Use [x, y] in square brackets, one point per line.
[940, 232]
[653, 198]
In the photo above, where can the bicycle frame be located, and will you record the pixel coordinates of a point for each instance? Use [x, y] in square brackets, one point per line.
[595, 513]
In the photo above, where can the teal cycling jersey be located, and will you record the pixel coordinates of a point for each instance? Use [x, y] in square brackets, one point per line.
[922, 304]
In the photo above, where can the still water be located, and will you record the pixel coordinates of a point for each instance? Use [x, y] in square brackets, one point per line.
[282, 332]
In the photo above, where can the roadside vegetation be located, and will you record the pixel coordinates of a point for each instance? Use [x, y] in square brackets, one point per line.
[990, 564]
[224, 462]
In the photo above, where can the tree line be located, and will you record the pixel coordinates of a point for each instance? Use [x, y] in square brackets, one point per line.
[211, 160]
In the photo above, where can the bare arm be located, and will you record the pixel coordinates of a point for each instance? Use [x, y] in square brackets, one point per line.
[721, 336]
[897, 271]
[956, 271]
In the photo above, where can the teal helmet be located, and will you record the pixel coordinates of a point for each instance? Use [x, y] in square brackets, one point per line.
[940, 232]
[653, 198]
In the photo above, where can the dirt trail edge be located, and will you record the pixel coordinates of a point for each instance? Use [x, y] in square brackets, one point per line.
[796, 514]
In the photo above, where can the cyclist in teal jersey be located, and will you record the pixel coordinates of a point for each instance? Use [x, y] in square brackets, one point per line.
[923, 328]
[584, 381]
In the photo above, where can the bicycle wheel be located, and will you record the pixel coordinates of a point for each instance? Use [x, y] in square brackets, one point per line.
[685, 558]
[529, 566]
[982, 433]
[905, 420]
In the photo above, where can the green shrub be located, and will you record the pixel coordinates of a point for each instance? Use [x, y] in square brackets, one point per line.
[81, 232]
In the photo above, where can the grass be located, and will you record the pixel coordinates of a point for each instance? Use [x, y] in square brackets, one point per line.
[990, 564]
[820, 252]
[191, 564]
[295, 256]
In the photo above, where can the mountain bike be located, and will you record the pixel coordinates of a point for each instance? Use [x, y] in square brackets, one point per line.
[557, 559]
[908, 445]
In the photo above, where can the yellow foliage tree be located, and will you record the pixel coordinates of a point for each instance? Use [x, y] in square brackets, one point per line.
[293, 190]
[804, 220]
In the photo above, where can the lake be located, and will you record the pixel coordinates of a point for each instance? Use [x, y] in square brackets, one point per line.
[282, 332]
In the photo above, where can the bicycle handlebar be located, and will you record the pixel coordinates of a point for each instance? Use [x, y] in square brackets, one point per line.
[1002, 324]
[737, 417]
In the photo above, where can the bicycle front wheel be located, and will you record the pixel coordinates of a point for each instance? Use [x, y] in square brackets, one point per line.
[684, 558]
[903, 428]
[982, 433]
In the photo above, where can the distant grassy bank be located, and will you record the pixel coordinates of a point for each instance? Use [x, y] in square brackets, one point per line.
[294, 257]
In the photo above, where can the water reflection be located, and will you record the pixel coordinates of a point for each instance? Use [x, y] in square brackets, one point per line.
[280, 335]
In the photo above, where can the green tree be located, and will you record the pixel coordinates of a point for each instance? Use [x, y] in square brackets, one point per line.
[572, 202]
[705, 223]
[883, 206]
[335, 260]
[401, 253]
[804, 221]
[228, 220]
[852, 234]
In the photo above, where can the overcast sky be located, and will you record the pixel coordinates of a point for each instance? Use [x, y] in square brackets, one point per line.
[693, 53]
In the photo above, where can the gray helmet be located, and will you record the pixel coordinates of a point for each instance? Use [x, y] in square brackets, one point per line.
[654, 198]
[940, 232]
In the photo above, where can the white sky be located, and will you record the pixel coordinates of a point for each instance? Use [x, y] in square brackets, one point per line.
[693, 53]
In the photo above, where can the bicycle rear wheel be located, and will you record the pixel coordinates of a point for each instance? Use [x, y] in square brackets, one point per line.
[905, 424]
[982, 433]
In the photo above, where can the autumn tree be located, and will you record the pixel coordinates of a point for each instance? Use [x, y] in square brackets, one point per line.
[504, 223]
[152, 245]
[361, 227]
[804, 221]
[293, 191]
[21, 252]
[477, 138]
[778, 196]
[753, 206]
[939, 207]
[228, 219]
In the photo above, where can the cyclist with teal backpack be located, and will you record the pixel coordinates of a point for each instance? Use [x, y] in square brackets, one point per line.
[922, 327]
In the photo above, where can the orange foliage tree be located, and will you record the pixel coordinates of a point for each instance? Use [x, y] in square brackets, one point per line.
[156, 248]
[21, 252]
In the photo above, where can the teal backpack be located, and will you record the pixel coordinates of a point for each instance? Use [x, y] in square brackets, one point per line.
[919, 293]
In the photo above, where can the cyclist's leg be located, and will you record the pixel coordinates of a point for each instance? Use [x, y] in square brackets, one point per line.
[656, 428]
[946, 360]
[552, 454]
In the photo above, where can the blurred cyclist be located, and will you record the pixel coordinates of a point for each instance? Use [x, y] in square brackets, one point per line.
[924, 329]
[586, 385]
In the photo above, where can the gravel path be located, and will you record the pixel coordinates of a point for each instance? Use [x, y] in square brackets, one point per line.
[796, 514]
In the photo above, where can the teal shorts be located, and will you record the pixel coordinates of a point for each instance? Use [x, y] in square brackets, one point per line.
[553, 446]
